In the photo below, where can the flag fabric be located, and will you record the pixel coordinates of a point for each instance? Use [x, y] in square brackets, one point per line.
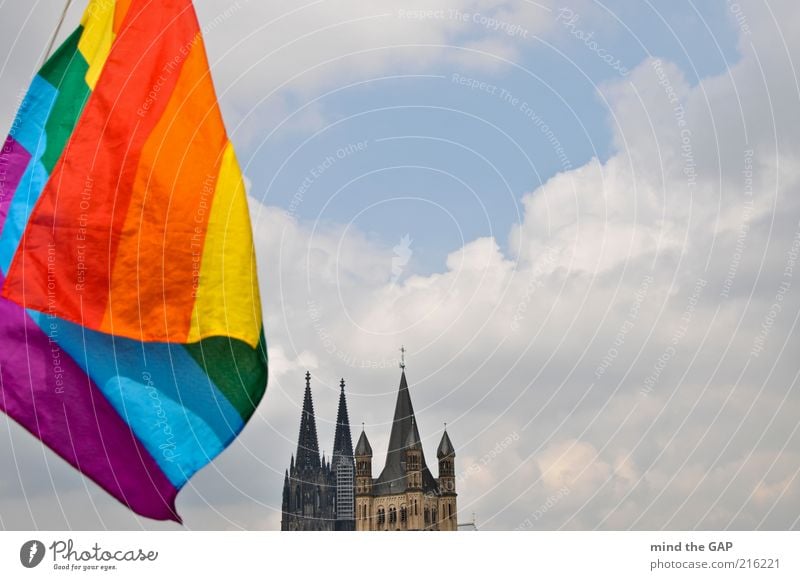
[131, 338]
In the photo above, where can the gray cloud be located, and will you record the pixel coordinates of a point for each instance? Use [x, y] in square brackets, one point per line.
[627, 368]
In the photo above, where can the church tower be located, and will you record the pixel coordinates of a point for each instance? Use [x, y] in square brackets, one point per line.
[308, 489]
[446, 455]
[414, 509]
[364, 520]
[344, 469]
[405, 496]
[342, 495]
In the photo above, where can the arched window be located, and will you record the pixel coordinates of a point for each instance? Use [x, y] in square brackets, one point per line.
[403, 515]
[381, 516]
[449, 510]
[434, 517]
[427, 516]
[319, 498]
[392, 515]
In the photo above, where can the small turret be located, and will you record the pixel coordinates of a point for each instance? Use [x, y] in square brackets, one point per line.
[363, 456]
[285, 507]
[446, 453]
[363, 498]
[446, 448]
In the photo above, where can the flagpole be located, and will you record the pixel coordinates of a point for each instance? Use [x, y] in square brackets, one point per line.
[55, 32]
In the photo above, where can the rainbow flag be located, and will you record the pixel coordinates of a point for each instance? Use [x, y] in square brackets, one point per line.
[131, 338]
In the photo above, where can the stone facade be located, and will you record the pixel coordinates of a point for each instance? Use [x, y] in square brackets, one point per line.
[405, 496]
[318, 496]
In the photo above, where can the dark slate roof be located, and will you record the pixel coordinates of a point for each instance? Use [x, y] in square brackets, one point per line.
[446, 448]
[342, 441]
[307, 444]
[412, 439]
[363, 447]
[392, 479]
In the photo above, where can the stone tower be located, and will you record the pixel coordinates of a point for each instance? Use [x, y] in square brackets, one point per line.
[446, 455]
[363, 483]
[343, 495]
[344, 469]
[309, 490]
[405, 496]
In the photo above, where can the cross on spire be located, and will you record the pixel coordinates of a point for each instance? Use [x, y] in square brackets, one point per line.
[402, 357]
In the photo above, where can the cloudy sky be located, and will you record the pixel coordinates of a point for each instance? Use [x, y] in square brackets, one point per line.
[581, 219]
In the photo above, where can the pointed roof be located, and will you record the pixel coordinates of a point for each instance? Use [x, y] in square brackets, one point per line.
[404, 427]
[342, 440]
[307, 444]
[363, 448]
[412, 439]
[446, 448]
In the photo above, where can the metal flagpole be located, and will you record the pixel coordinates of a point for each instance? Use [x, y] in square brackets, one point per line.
[55, 33]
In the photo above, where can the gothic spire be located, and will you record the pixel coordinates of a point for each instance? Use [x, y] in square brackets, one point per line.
[412, 439]
[307, 444]
[342, 440]
[404, 429]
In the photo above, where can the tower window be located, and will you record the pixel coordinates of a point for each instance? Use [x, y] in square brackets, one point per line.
[403, 514]
[392, 515]
[381, 516]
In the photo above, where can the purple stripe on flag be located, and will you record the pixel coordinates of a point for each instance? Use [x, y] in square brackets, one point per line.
[14, 160]
[46, 392]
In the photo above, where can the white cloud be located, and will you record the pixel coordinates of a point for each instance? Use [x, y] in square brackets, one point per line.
[505, 344]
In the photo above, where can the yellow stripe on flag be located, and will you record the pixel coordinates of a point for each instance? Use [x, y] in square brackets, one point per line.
[227, 302]
[98, 34]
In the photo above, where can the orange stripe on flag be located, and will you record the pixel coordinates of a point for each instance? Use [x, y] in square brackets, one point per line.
[120, 12]
[159, 256]
[65, 261]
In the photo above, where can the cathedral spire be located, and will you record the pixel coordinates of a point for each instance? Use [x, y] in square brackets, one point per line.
[344, 468]
[342, 440]
[404, 429]
[307, 444]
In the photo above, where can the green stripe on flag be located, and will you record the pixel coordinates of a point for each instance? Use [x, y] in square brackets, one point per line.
[239, 371]
[66, 71]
